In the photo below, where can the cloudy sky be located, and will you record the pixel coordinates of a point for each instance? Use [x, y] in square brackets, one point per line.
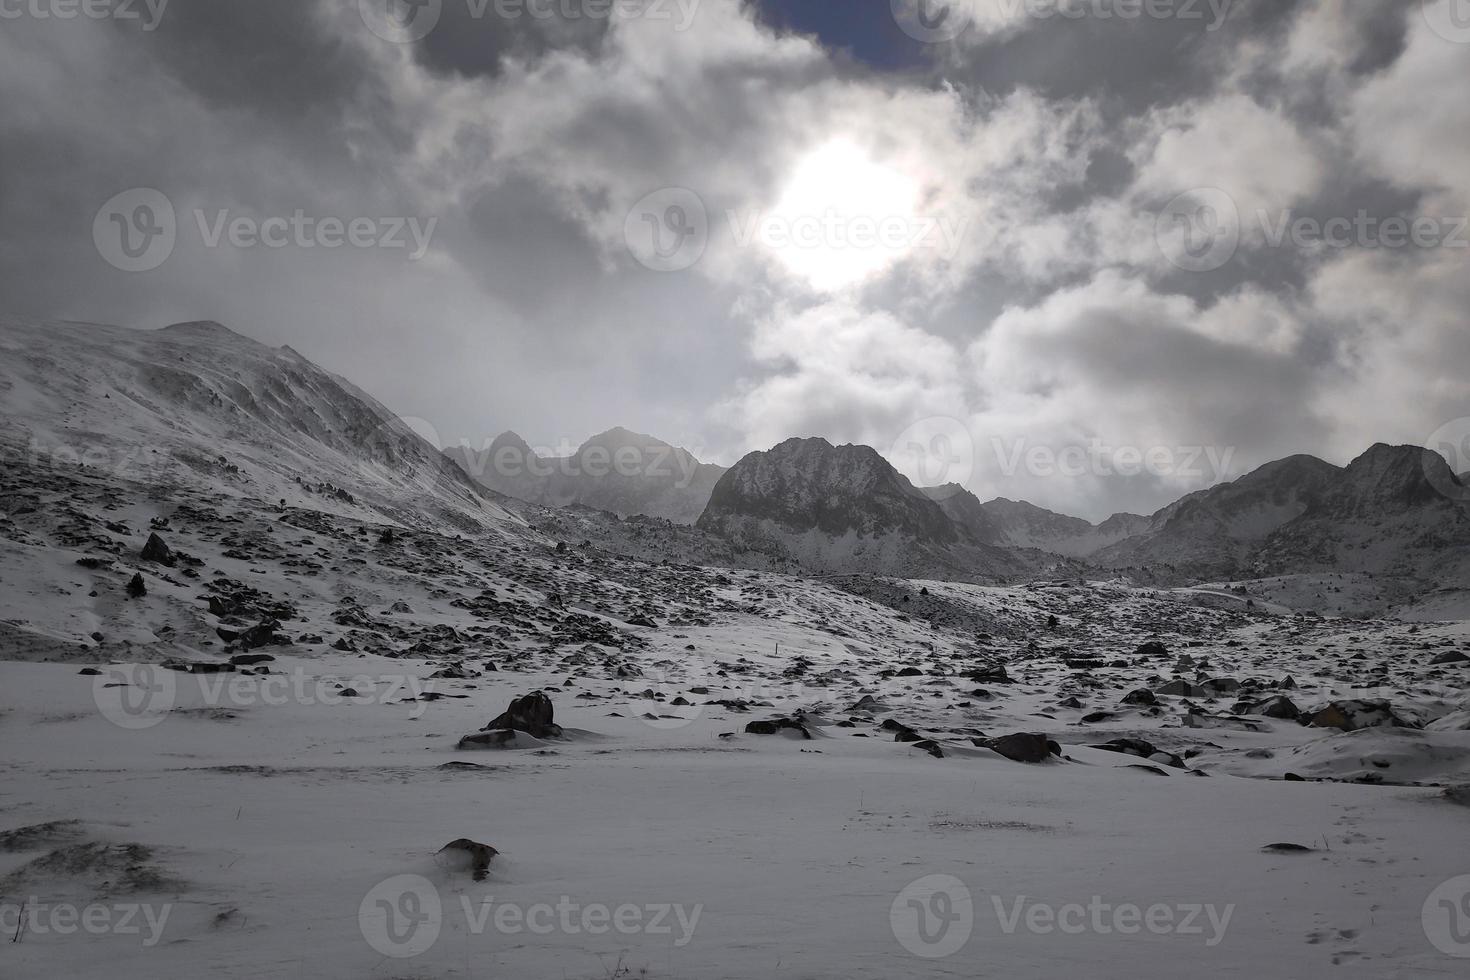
[1092, 255]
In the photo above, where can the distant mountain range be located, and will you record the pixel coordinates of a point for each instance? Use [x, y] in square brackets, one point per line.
[198, 403]
[1395, 510]
[621, 472]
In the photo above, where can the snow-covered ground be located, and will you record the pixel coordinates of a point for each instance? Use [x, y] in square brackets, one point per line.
[285, 817]
[260, 825]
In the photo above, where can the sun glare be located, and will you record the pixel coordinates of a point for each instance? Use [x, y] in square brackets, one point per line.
[843, 217]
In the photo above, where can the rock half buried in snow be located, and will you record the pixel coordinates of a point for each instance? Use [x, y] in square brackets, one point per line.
[778, 726]
[1021, 747]
[1349, 716]
[1143, 750]
[1277, 706]
[467, 854]
[502, 738]
[530, 716]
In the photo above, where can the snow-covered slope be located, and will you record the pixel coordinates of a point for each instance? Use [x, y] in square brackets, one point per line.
[200, 405]
[622, 472]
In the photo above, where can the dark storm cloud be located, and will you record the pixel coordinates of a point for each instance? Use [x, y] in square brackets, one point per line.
[528, 139]
[267, 56]
[1127, 64]
[473, 36]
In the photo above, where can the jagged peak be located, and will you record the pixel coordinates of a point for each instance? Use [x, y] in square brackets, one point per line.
[510, 440]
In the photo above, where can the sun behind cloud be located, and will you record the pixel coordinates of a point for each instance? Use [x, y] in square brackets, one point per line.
[843, 217]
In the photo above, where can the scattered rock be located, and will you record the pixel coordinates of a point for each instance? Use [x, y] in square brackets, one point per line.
[158, 552]
[1021, 747]
[1277, 706]
[467, 853]
[1350, 716]
[776, 726]
[532, 714]
[1143, 750]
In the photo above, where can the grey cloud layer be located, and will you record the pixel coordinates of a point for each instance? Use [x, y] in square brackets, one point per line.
[1055, 320]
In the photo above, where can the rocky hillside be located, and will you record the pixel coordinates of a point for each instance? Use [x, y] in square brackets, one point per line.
[845, 508]
[200, 405]
[1215, 531]
[1020, 524]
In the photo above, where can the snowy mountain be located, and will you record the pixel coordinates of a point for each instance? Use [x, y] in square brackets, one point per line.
[199, 405]
[845, 508]
[1395, 510]
[1214, 531]
[622, 472]
[1020, 524]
